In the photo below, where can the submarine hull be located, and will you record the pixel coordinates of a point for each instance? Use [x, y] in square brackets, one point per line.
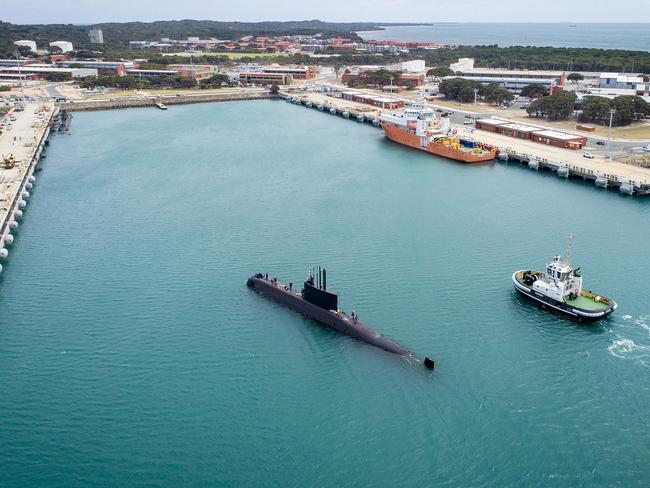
[331, 318]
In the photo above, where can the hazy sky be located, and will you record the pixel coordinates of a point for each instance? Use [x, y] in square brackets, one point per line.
[88, 11]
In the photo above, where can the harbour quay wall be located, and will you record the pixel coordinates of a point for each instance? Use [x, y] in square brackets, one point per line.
[29, 159]
[150, 101]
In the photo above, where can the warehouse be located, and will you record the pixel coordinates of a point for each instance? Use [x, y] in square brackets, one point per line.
[559, 139]
[531, 132]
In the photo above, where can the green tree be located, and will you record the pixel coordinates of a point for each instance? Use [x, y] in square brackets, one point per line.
[274, 89]
[575, 77]
[459, 89]
[440, 72]
[534, 90]
[58, 77]
[217, 80]
[558, 106]
[595, 109]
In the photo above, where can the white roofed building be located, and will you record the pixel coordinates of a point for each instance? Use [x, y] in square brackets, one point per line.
[30, 44]
[64, 46]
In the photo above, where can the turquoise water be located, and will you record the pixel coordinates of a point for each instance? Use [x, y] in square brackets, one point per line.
[132, 353]
[631, 37]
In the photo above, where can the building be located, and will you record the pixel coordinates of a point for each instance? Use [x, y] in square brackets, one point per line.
[64, 46]
[152, 73]
[381, 102]
[559, 139]
[415, 66]
[40, 71]
[297, 73]
[14, 62]
[148, 45]
[30, 44]
[96, 36]
[616, 80]
[532, 133]
[262, 78]
[196, 71]
[102, 67]
[513, 80]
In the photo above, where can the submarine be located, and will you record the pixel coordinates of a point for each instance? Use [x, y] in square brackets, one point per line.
[320, 304]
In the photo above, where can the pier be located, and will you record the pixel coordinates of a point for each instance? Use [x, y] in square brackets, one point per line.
[24, 142]
[566, 163]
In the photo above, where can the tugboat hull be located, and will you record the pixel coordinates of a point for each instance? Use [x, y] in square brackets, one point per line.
[563, 308]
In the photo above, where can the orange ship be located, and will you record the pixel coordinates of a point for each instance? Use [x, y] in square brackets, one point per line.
[420, 129]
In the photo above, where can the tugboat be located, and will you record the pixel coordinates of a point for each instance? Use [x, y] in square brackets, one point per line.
[560, 289]
[320, 304]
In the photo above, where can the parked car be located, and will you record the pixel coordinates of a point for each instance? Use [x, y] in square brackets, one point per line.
[588, 155]
[468, 122]
[646, 148]
[600, 143]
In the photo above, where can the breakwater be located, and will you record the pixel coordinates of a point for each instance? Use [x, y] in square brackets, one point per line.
[150, 101]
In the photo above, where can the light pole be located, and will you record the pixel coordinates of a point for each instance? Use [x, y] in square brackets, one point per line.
[609, 133]
[475, 93]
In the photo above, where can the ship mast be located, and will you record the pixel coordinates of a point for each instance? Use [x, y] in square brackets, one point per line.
[569, 249]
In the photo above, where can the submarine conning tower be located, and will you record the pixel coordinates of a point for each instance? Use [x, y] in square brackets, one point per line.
[315, 291]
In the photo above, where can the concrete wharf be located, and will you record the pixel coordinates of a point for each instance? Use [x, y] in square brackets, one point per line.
[566, 163]
[25, 141]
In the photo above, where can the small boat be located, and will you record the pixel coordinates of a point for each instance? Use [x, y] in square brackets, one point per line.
[161, 106]
[560, 289]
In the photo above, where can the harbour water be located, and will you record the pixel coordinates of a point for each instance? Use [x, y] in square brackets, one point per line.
[630, 37]
[132, 353]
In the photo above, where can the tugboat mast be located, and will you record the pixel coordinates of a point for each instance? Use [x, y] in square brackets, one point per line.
[569, 249]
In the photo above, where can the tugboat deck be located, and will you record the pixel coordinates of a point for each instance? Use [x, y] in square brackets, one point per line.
[584, 302]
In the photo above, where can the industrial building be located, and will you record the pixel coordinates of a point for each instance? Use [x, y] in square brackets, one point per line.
[532, 133]
[381, 102]
[102, 67]
[152, 73]
[30, 44]
[196, 71]
[96, 36]
[616, 80]
[39, 71]
[262, 78]
[64, 46]
[297, 73]
[513, 80]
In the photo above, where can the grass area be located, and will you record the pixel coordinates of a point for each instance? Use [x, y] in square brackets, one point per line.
[230, 55]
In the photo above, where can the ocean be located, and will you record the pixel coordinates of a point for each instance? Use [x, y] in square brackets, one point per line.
[133, 354]
[630, 37]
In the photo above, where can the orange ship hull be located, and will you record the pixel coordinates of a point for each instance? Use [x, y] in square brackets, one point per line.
[401, 136]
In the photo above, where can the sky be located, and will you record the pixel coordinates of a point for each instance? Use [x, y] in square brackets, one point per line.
[93, 11]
